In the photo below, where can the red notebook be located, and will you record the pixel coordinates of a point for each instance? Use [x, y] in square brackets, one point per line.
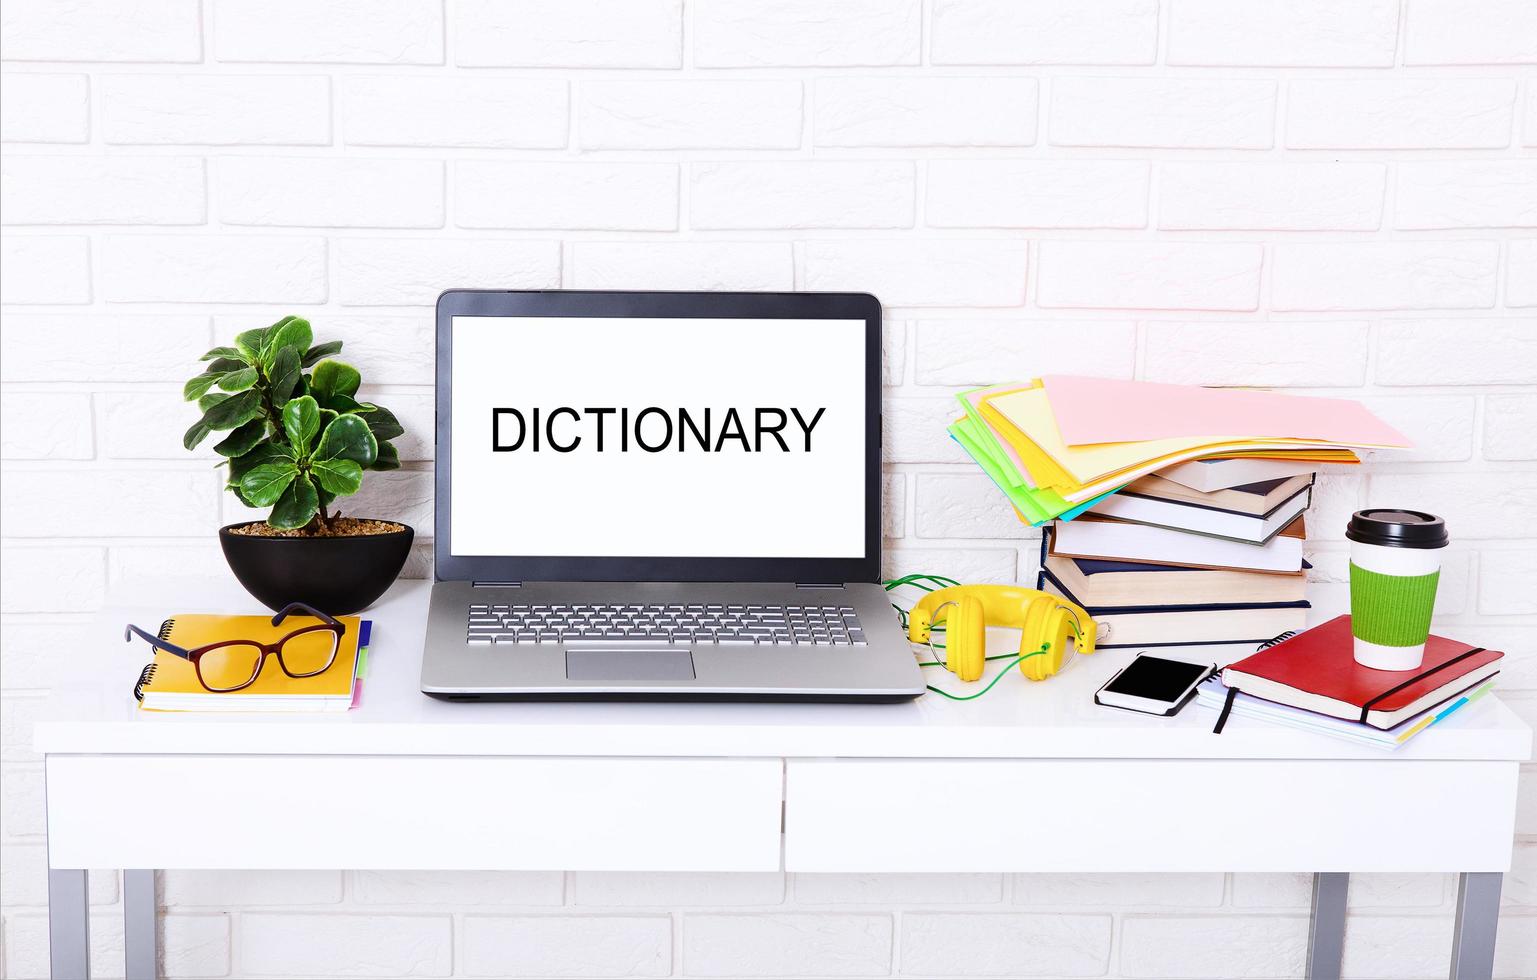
[1316, 670]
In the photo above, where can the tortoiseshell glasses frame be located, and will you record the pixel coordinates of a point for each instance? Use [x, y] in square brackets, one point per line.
[222, 667]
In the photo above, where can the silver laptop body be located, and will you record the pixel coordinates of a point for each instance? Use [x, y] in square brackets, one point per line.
[660, 496]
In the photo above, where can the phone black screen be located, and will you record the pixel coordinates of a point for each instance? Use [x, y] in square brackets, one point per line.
[1157, 679]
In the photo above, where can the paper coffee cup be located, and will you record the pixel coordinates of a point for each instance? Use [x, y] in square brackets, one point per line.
[1395, 566]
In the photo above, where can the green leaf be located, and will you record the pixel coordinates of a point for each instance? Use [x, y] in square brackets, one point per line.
[236, 410]
[292, 332]
[333, 378]
[338, 476]
[301, 422]
[198, 386]
[382, 422]
[262, 453]
[283, 378]
[195, 435]
[264, 484]
[249, 344]
[240, 380]
[297, 506]
[321, 350]
[222, 352]
[347, 438]
[344, 404]
[243, 439]
[389, 457]
[224, 365]
[210, 400]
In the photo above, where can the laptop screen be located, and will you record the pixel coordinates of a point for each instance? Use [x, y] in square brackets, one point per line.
[686, 437]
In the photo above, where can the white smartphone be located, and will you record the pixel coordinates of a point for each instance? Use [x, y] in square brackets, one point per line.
[1153, 685]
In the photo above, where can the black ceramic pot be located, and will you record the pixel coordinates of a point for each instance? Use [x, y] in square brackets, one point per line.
[335, 575]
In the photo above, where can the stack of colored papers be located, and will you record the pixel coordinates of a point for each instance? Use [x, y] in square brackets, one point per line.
[1057, 445]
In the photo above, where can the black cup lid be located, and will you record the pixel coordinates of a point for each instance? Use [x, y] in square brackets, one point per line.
[1397, 528]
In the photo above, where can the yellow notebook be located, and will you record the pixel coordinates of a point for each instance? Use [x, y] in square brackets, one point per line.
[170, 683]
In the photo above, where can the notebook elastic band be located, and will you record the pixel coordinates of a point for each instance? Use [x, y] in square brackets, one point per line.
[1367, 707]
[1227, 709]
[1232, 692]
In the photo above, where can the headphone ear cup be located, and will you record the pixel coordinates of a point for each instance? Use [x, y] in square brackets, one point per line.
[1040, 628]
[966, 638]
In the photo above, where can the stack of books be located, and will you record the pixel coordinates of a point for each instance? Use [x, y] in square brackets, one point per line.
[1311, 681]
[1162, 564]
[1177, 509]
[1056, 446]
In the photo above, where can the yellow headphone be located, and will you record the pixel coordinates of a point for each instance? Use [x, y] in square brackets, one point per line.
[1046, 622]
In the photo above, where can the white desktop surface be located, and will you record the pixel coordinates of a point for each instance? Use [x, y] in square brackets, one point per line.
[1034, 776]
[92, 710]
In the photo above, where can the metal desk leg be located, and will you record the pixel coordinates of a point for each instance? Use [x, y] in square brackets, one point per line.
[139, 952]
[69, 930]
[1478, 916]
[1326, 934]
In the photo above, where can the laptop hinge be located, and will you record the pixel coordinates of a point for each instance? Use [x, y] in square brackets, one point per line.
[497, 585]
[819, 585]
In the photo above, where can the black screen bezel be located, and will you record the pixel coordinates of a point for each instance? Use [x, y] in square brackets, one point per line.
[585, 303]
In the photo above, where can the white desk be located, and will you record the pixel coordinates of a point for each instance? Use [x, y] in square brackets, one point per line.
[1040, 778]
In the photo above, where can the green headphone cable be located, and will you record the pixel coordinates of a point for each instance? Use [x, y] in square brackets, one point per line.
[1017, 657]
[920, 581]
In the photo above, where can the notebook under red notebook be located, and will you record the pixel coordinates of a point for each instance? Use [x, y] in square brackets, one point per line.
[1316, 670]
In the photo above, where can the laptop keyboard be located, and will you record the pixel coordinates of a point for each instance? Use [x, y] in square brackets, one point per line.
[741, 625]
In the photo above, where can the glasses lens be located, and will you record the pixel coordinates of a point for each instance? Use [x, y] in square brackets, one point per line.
[230, 666]
[309, 652]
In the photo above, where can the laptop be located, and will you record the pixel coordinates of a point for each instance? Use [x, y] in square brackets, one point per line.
[660, 496]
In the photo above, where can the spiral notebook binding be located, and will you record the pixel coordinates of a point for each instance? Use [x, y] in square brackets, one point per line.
[145, 676]
[1275, 640]
[148, 673]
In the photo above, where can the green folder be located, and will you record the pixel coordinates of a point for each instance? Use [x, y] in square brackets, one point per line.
[1036, 504]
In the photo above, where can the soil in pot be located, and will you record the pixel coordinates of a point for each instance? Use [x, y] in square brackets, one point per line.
[337, 527]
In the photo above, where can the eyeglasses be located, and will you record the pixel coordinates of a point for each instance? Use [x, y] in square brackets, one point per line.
[231, 665]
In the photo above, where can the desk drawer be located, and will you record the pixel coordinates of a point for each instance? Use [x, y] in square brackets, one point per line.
[414, 812]
[1123, 815]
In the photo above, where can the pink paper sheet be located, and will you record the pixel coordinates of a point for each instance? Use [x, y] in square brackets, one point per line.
[1095, 410]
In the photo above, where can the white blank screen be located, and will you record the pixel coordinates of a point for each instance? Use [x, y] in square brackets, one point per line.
[700, 490]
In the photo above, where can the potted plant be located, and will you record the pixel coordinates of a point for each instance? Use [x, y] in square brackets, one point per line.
[296, 439]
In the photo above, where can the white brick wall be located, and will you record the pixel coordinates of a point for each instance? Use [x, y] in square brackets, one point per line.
[1335, 196]
[405, 32]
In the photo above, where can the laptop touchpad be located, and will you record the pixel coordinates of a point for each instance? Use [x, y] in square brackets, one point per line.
[629, 665]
